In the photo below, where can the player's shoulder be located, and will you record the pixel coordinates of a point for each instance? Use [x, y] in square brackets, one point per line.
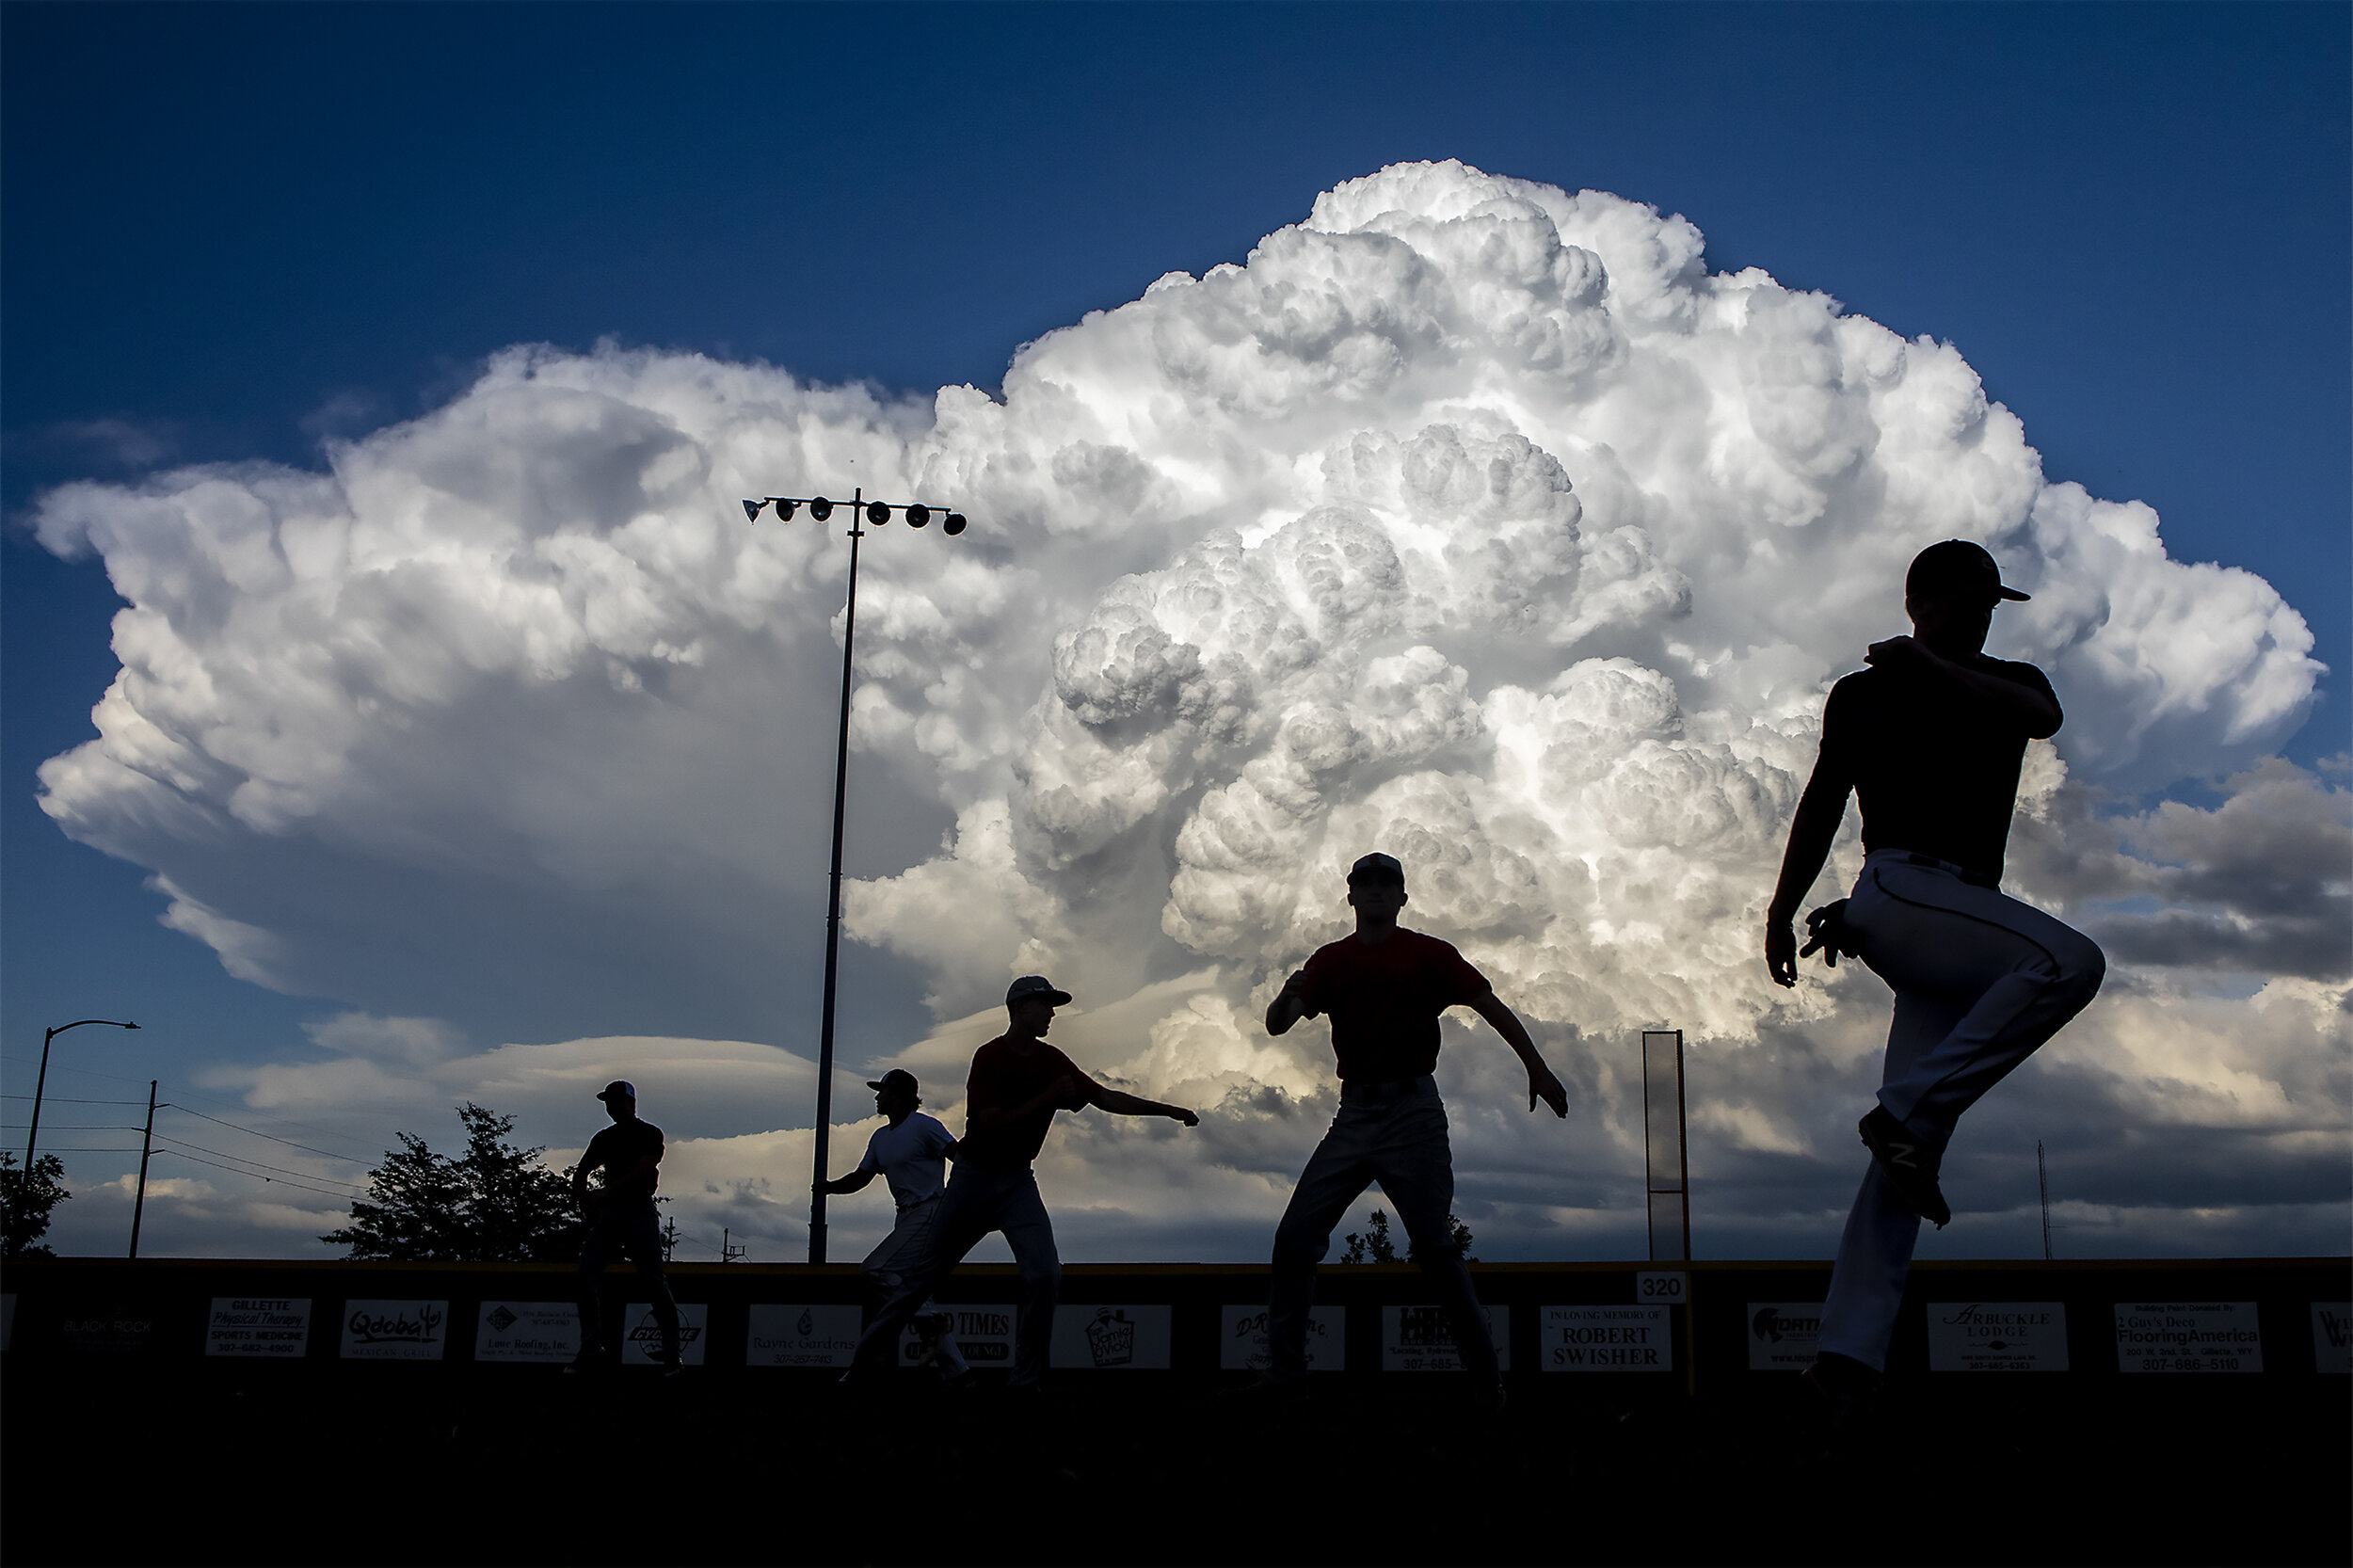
[650, 1133]
[930, 1123]
[2014, 669]
[1423, 942]
[1330, 953]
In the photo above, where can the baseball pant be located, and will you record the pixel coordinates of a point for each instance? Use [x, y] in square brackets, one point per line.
[634, 1228]
[979, 1199]
[1393, 1133]
[1980, 980]
[886, 1267]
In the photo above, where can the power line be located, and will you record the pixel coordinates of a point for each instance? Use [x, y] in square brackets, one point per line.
[75, 1127]
[241, 1160]
[61, 1100]
[274, 1182]
[354, 1159]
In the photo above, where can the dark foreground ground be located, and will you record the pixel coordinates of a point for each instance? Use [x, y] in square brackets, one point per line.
[525, 1465]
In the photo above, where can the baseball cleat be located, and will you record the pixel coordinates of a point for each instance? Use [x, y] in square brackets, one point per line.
[1910, 1165]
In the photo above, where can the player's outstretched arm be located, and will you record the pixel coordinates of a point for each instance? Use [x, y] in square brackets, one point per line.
[1541, 1084]
[1120, 1103]
[854, 1182]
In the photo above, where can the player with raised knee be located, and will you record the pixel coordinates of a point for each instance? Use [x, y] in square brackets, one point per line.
[1929, 740]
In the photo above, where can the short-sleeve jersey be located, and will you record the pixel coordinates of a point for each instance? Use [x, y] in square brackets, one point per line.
[1385, 998]
[618, 1147]
[1935, 771]
[911, 1157]
[1001, 1078]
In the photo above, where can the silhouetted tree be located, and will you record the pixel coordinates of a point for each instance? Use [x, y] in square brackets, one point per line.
[494, 1204]
[1373, 1245]
[26, 1201]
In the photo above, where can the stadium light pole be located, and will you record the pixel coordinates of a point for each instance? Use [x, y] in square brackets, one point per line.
[862, 511]
[32, 1136]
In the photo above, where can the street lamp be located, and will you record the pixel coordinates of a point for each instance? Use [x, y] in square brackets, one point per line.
[877, 513]
[42, 1082]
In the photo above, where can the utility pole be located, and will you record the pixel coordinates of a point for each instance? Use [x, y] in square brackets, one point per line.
[669, 1238]
[146, 1144]
[728, 1254]
[2043, 1180]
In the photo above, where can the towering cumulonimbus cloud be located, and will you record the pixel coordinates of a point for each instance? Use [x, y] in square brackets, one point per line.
[1469, 520]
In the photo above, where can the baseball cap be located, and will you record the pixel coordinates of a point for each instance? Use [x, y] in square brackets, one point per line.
[1035, 986]
[897, 1078]
[1955, 566]
[1377, 867]
[619, 1088]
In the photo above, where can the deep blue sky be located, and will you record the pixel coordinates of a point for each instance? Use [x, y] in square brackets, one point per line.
[225, 233]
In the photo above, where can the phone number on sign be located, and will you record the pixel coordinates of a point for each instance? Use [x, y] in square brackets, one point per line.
[2188, 1363]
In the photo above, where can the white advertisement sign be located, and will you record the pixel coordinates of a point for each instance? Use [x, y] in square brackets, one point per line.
[1419, 1339]
[803, 1336]
[1997, 1337]
[2331, 1320]
[1606, 1339]
[641, 1341]
[1112, 1338]
[275, 1326]
[2188, 1336]
[527, 1331]
[984, 1334]
[1241, 1339]
[1782, 1335]
[395, 1331]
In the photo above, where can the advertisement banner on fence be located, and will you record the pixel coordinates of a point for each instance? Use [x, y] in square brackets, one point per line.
[641, 1340]
[1782, 1336]
[107, 1328]
[1606, 1339]
[2330, 1352]
[1997, 1337]
[1128, 1339]
[527, 1331]
[276, 1327]
[984, 1334]
[1419, 1339]
[803, 1336]
[2188, 1336]
[395, 1331]
[1241, 1339]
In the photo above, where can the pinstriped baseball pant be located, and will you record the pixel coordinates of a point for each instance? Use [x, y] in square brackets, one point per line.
[1981, 981]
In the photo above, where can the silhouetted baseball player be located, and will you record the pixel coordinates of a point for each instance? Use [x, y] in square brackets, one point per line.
[1017, 1082]
[1930, 739]
[1385, 987]
[620, 1217]
[911, 1153]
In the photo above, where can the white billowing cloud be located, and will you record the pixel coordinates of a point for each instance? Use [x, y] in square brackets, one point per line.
[1469, 518]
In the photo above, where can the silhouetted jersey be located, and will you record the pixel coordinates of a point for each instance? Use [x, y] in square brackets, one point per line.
[911, 1157]
[618, 1147]
[1001, 1078]
[1935, 771]
[1383, 999]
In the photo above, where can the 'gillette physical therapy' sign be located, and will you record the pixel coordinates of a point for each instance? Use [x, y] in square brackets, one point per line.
[268, 1327]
